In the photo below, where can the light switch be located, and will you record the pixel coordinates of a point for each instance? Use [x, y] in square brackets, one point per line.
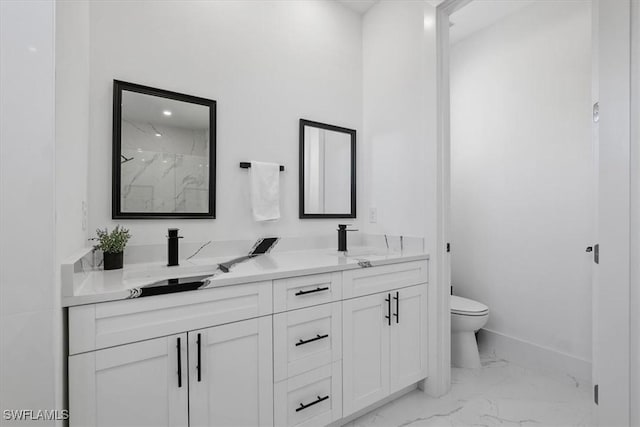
[84, 215]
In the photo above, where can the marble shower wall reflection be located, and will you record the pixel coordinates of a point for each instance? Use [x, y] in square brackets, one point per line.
[168, 170]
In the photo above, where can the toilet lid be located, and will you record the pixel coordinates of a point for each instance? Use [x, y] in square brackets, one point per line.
[467, 306]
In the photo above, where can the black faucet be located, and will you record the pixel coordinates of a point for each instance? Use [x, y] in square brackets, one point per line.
[172, 246]
[342, 237]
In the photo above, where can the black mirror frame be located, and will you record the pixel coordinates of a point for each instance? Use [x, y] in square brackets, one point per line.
[352, 133]
[116, 209]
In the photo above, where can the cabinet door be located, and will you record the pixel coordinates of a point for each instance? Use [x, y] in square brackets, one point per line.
[139, 384]
[365, 349]
[231, 375]
[408, 361]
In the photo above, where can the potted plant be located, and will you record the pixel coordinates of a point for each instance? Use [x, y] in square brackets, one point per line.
[112, 246]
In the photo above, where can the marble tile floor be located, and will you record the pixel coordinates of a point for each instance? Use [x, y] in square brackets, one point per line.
[499, 394]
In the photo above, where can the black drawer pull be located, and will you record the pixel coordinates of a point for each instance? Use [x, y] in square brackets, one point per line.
[303, 406]
[397, 313]
[388, 301]
[179, 347]
[318, 337]
[199, 367]
[311, 291]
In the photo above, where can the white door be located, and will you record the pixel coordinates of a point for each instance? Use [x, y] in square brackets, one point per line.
[365, 351]
[139, 384]
[408, 345]
[231, 374]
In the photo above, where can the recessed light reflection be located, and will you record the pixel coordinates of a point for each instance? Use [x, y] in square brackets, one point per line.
[167, 112]
[429, 22]
[139, 150]
[158, 134]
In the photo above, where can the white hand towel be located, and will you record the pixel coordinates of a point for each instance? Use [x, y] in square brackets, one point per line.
[265, 191]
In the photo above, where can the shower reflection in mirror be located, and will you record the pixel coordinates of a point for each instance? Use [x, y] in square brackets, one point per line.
[164, 143]
[327, 171]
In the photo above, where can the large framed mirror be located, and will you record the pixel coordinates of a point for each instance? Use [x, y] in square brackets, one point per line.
[327, 171]
[164, 153]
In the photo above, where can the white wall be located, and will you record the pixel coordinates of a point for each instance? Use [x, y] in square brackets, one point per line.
[400, 143]
[71, 154]
[399, 119]
[266, 63]
[27, 192]
[522, 175]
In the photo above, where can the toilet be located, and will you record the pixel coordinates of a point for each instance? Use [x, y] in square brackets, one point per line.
[467, 316]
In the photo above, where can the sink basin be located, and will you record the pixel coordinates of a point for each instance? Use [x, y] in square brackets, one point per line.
[162, 272]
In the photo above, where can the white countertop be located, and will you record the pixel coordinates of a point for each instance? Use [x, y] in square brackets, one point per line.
[92, 286]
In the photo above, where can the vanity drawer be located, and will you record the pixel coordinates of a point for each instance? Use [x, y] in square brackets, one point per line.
[306, 339]
[102, 325]
[367, 281]
[305, 291]
[311, 399]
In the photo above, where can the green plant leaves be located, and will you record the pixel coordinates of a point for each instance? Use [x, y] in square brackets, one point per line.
[113, 242]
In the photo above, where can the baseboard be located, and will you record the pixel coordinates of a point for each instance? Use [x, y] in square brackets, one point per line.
[374, 406]
[533, 356]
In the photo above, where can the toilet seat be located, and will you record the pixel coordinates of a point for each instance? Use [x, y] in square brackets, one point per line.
[467, 307]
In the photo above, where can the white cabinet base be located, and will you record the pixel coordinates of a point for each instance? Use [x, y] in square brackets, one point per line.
[328, 345]
[365, 351]
[232, 385]
[385, 345]
[138, 382]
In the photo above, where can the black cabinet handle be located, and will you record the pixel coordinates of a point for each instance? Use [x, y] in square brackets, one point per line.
[318, 337]
[311, 291]
[397, 314]
[388, 301]
[179, 347]
[303, 406]
[199, 366]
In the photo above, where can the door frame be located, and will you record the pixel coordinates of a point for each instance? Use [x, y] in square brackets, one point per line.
[441, 383]
[611, 309]
[611, 277]
[635, 213]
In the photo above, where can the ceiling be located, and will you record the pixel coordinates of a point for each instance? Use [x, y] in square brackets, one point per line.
[142, 108]
[358, 6]
[481, 14]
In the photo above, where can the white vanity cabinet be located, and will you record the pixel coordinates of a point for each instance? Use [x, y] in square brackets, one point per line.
[231, 375]
[385, 345]
[219, 376]
[302, 350]
[139, 384]
[408, 337]
[307, 344]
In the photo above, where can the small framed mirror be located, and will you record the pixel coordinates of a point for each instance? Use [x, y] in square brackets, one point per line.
[164, 154]
[327, 171]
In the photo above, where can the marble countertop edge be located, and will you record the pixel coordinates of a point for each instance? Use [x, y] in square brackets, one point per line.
[89, 286]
